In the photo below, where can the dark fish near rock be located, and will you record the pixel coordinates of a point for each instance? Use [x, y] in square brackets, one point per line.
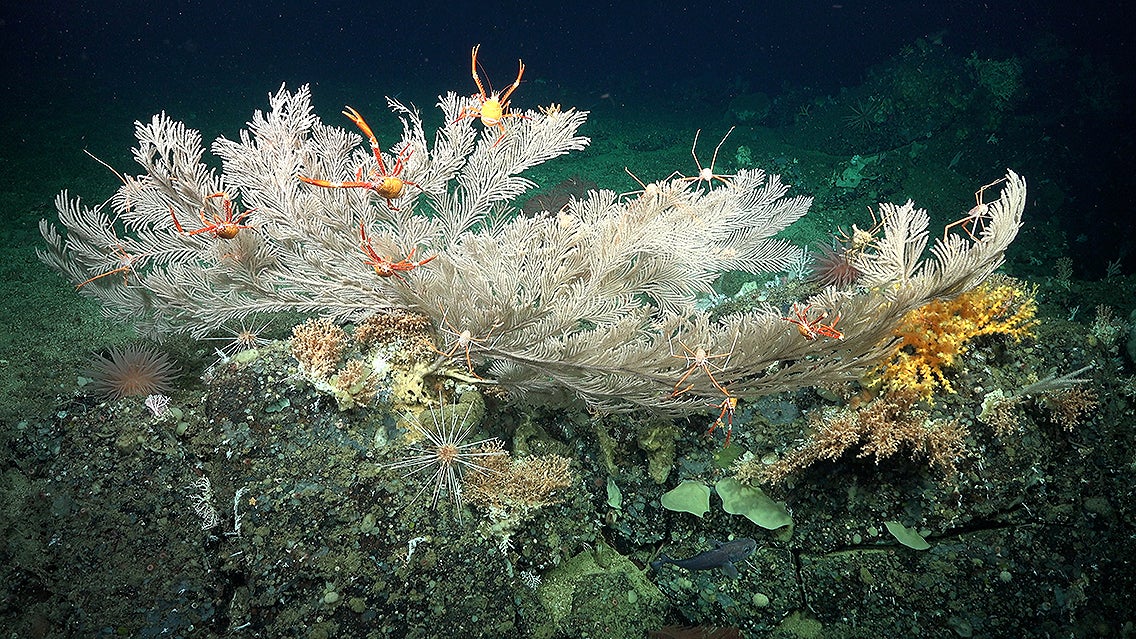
[722, 556]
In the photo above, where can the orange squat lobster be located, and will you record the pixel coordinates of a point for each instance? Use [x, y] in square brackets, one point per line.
[383, 266]
[224, 227]
[811, 329]
[390, 186]
[491, 107]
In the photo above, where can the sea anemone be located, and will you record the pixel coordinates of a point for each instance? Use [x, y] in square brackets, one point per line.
[136, 369]
[832, 267]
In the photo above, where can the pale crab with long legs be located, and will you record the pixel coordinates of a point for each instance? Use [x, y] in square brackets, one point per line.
[649, 192]
[706, 173]
[492, 107]
[975, 215]
[464, 341]
[389, 184]
[125, 266]
[699, 359]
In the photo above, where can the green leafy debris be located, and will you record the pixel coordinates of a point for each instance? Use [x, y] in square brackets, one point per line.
[688, 497]
[739, 499]
[906, 536]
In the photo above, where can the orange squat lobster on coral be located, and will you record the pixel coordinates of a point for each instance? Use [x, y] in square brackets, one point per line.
[491, 107]
[383, 266]
[390, 186]
[811, 329]
[225, 226]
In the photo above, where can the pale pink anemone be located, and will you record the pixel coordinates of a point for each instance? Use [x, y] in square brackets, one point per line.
[136, 369]
[832, 267]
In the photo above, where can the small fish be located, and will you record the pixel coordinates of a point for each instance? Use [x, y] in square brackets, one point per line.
[722, 556]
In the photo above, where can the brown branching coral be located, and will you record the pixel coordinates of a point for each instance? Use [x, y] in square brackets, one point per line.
[1001, 411]
[507, 483]
[1062, 394]
[413, 330]
[318, 344]
[881, 429]
[1070, 407]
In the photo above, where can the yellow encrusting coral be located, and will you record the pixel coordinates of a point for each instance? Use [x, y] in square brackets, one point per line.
[933, 336]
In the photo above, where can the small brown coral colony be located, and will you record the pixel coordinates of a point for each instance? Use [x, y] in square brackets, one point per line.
[318, 344]
[412, 330]
[511, 483]
[880, 429]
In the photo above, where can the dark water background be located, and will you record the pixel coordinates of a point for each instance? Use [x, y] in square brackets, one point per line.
[76, 75]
